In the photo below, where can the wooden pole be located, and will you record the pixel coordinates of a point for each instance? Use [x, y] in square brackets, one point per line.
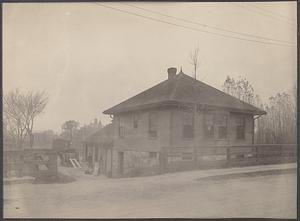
[111, 162]
[253, 131]
[195, 137]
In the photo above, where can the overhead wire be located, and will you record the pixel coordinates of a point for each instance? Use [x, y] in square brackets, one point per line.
[249, 8]
[273, 13]
[191, 28]
[205, 25]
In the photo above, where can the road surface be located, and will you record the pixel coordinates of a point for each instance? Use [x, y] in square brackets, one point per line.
[177, 195]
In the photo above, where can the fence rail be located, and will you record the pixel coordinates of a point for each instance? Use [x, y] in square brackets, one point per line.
[176, 158]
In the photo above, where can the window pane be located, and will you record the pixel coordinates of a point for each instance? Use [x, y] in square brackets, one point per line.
[153, 120]
[188, 126]
[240, 132]
[240, 127]
[209, 126]
[187, 118]
[221, 124]
[222, 132]
[135, 120]
[121, 128]
[152, 154]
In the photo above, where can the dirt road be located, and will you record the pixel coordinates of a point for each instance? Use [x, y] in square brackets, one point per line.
[169, 195]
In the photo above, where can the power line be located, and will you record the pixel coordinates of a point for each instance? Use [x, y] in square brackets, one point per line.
[204, 25]
[262, 13]
[273, 13]
[190, 28]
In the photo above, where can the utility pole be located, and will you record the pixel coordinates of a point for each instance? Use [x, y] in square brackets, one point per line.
[195, 125]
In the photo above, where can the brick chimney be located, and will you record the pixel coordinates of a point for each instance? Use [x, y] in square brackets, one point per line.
[172, 72]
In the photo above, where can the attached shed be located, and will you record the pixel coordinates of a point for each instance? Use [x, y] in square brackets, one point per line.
[98, 150]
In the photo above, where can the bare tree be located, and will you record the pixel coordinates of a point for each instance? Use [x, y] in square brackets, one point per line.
[20, 111]
[12, 117]
[194, 60]
[34, 103]
[240, 88]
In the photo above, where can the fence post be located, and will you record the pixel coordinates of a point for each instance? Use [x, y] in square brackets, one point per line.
[195, 157]
[162, 161]
[228, 155]
[256, 154]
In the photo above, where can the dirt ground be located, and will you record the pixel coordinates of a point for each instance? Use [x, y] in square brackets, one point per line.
[178, 195]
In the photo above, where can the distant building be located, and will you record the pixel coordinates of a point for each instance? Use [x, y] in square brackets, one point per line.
[178, 112]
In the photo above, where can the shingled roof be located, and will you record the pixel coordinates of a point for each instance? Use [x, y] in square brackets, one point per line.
[179, 89]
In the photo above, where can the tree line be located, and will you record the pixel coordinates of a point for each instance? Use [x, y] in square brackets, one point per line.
[279, 125]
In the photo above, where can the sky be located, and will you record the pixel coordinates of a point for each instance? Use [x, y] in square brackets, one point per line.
[89, 57]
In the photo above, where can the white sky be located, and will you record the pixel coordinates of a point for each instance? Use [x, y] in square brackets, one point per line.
[89, 58]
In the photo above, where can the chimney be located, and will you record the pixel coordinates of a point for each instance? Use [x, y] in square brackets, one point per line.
[172, 72]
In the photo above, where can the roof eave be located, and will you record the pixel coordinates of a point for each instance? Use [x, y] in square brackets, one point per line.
[113, 110]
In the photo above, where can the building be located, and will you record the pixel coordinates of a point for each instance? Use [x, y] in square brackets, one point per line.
[178, 112]
[98, 147]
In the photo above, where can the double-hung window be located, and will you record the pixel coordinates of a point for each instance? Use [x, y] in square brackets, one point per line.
[135, 120]
[240, 127]
[153, 124]
[188, 126]
[221, 125]
[121, 128]
[209, 125]
[215, 125]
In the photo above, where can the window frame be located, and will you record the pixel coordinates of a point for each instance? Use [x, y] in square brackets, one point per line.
[218, 126]
[243, 125]
[214, 132]
[135, 120]
[121, 128]
[205, 131]
[153, 133]
[185, 125]
[153, 154]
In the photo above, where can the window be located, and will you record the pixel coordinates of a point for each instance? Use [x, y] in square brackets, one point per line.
[152, 154]
[188, 126]
[135, 120]
[209, 126]
[240, 127]
[153, 120]
[187, 156]
[121, 128]
[221, 125]
[215, 126]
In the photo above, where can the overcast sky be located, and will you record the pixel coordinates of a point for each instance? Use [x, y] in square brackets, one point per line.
[88, 57]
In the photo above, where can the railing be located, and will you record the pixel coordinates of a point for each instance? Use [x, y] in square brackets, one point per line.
[177, 158]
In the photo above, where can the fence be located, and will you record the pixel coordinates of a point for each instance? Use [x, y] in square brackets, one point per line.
[30, 162]
[182, 158]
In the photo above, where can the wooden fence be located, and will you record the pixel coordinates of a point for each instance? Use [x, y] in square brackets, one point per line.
[182, 158]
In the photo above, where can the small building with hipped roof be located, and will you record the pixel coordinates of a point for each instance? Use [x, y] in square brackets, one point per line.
[178, 112]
